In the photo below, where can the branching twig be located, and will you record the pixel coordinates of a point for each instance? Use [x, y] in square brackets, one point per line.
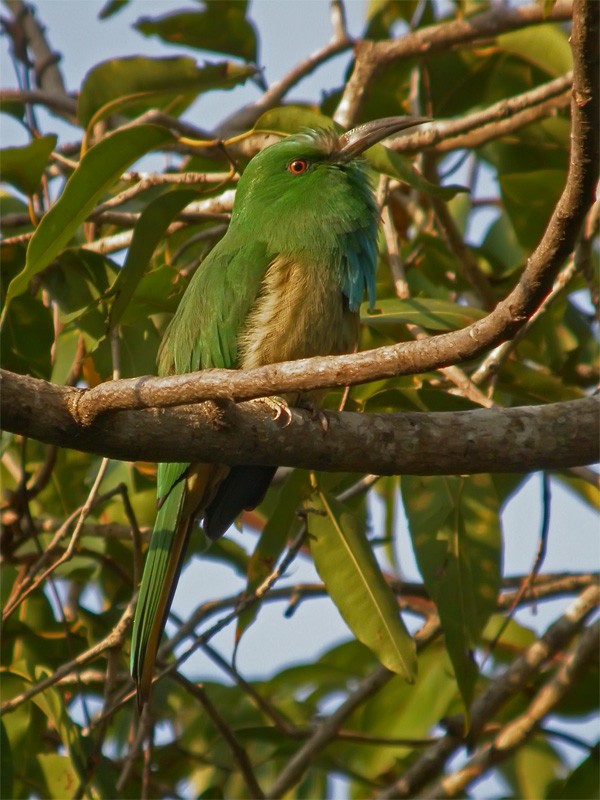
[490, 701]
[372, 56]
[238, 753]
[519, 729]
[114, 639]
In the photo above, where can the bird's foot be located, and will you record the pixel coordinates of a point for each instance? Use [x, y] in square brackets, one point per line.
[279, 408]
[315, 413]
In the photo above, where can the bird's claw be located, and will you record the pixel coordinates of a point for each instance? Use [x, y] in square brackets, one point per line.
[316, 414]
[279, 407]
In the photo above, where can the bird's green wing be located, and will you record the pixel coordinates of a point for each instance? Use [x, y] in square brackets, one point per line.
[203, 334]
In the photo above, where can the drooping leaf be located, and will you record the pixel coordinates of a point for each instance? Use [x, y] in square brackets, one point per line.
[532, 769]
[220, 27]
[133, 84]
[97, 170]
[61, 779]
[345, 561]
[23, 167]
[436, 315]
[27, 337]
[581, 783]
[455, 529]
[148, 231]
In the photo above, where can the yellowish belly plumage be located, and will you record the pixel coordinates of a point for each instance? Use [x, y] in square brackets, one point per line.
[300, 312]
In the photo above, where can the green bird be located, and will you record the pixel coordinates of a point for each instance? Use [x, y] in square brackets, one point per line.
[285, 282]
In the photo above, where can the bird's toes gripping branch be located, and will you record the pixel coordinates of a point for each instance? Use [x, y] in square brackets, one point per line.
[278, 407]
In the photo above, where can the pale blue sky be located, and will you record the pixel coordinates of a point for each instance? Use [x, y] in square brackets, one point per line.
[289, 31]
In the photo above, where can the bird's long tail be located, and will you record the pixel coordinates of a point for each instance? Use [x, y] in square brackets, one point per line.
[163, 564]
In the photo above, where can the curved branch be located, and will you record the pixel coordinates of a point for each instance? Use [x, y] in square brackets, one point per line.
[371, 56]
[484, 440]
[517, 731]
[474, 129]
[429, 764]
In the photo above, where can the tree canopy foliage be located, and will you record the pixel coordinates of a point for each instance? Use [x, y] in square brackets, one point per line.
[487, 303]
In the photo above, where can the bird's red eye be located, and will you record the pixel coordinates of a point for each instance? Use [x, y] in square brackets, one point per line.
[298, 166]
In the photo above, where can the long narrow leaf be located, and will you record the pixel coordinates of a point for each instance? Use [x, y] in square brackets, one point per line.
[149, 230]
[344, 560]
[455, 529]
[99, 168]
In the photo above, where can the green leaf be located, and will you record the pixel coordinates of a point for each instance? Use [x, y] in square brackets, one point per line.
[221, 27]
[291, 119]
[99, 168]
[281, 525]
[61, 778]
[529, 199]
[345, 561]
[23, 167]
[149, 230]
[111, 7]
[27, 337]
[455, 529]
[532, 769]
[582, 783]
[501, 247]
[436, 315]
[546, 46]
[398, 166]
[28, 329]
[401, 711]
[6, 764]
[136, 83]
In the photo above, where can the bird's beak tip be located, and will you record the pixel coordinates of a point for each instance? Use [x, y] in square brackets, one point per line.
[357, 140]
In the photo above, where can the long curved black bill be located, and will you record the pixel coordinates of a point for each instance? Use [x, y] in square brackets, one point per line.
[357, 140]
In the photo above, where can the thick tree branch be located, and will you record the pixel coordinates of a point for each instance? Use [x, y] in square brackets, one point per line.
[485, 440]
[47, 74]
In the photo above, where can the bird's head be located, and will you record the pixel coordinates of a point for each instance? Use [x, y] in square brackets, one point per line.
[309, 197]
[314, 179]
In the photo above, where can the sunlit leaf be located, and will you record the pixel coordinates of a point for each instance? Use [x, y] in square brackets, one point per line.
[345, 562]
[398, 166]
[427, 312]
[220, 26]
[98, 169]
[136, 83]
[61, 779]
[291, 119]
[546, 46]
